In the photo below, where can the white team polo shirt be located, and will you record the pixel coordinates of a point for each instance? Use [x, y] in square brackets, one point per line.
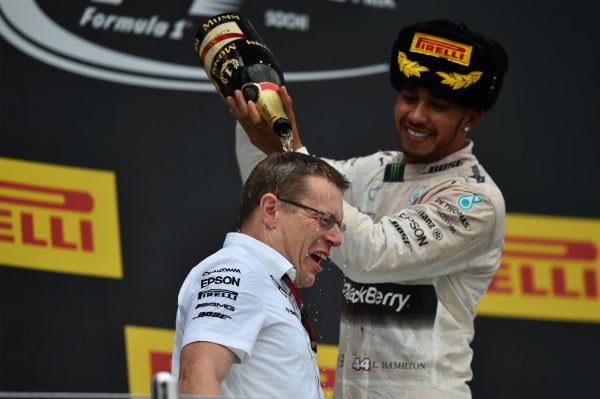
[236, 298]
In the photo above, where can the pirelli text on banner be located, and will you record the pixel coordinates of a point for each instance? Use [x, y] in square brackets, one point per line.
[149, 351]
[59, 219]
[550, 270]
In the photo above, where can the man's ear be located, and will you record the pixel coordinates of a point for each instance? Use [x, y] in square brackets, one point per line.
[268, 207]
[473, 118]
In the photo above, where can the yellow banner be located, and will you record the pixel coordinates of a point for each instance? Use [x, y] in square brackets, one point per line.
[149, 351]
[59, 219]
[550, 270]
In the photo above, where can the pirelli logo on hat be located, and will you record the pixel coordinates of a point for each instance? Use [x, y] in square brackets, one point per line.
[59, 219]
[436, 46]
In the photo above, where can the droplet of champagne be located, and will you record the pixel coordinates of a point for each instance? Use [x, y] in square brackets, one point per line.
[286, 141]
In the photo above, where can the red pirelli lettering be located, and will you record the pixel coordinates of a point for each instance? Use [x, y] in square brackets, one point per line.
[590, 283]
[4, 225]
[327, 377]
[560, 284]
[540, 267]
[160, 361]
[454, 52]
[39, 198]
[563, 249]
[67, 200]
[28, 233]
[56, 233]
[527, 281]
[424, 42]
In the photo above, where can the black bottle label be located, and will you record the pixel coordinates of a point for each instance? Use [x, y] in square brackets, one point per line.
[220, 57]
[233, 56]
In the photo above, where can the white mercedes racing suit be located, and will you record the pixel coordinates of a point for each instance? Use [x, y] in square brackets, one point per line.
[422, 245]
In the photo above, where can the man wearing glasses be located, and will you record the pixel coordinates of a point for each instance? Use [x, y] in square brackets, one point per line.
[425, 224]
[241, 328]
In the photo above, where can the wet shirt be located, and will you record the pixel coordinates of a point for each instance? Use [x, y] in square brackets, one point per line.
[236, 298]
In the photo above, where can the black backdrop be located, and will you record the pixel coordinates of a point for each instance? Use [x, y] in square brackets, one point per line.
[178, 185]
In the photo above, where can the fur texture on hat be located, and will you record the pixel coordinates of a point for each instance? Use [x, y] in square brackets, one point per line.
[455, 63]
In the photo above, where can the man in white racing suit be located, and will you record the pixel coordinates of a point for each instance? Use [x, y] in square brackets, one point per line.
[425, 226]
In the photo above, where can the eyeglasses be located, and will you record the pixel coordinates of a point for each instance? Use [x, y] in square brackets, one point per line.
[326, 220]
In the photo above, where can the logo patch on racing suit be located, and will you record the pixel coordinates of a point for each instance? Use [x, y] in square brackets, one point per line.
[466, 202]
[389, 303]
[394, 172]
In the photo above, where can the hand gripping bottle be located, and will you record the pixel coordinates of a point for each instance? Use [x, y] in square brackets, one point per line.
[234, 57]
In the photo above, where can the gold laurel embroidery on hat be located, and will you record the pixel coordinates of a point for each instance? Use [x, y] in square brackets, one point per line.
[444, 56]
[459, 81]
[408, 67]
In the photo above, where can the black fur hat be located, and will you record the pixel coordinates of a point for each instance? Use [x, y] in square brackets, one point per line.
[456, 64]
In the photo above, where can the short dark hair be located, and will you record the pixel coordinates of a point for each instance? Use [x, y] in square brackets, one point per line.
[284, 174]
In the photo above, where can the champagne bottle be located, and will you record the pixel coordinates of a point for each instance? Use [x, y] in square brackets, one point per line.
[234, 57]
